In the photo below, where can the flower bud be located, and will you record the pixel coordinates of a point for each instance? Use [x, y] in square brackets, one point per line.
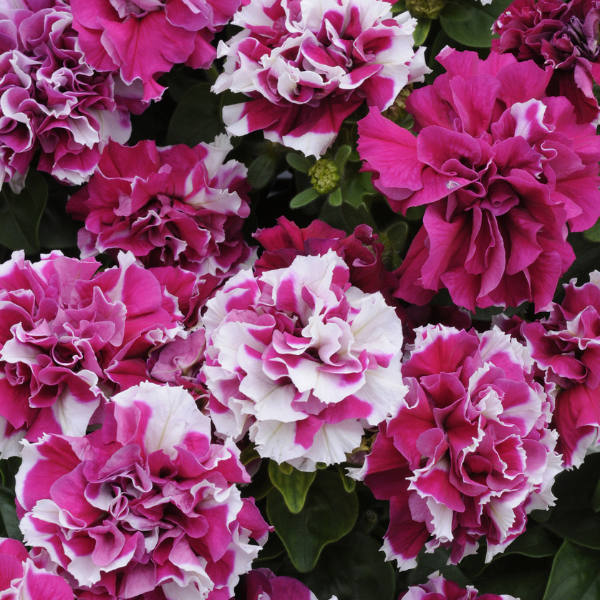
[428, 9]
[324, 176]
[397, 111]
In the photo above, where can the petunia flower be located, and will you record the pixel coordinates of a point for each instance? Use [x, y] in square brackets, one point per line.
[469, 453]
[70, 337]
[308, 64]
[173, 206]
[301, 360]
[501, 168]
[566, 345]
[563, 36]
[142, 39]
[145, 507]
[51, 98]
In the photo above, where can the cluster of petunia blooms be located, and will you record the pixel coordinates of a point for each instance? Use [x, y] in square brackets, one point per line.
[128, 390]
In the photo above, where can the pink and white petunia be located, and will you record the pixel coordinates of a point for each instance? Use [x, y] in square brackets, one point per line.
[145, 507]
[24, 578]
[301, 360]
[308, 64]
[566, 345]
[501, 168]
[142, 39]
[51, 99]
[438, 588]
[469, 453]
[173, 206]
[70, 337]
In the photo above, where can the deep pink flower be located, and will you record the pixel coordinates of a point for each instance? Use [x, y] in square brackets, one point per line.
[308, 64]
[438, 588]
[562, 35]
[566, 345]
[501, 168]
[146, 507]
[262, 584]
[361, 251]
[301, 360]
[469, 452]
[142, 39]
[173, 206]
[68, 337]
[21, 577]
[51, 100]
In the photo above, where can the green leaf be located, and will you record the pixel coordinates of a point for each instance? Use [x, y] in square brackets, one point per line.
[249, 454]
[179, 81]
[352, 569]
[261, 483]
[476, 30]
[286, 468]
[356, 188]
[422, 31]
[396, 235]
[349, 484]
[328, 514]
[335, 198]
[429, 562]
[454, 11]
[262, 170]
[596, 498]
[573, 517]
[299, 162]
[415, 213]
[271, 550]
[536, 542]
[593, 234]
[518, 576]
[20, 214]
[293, 485]
[57, 230]
[8, 512]
[304, 198]
[394, 238]
[347, 217]
[9, 467]
[341, 157]
[197, 117]
[575, 574]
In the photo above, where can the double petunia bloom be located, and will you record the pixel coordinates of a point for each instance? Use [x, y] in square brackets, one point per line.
[469, 453]
[145, 507]
[301, 360]
[501, 168]
[308, 65]
[51, 99]
[70, 337]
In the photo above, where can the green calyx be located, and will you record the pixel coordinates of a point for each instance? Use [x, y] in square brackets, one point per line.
[428, 9]
[324, 176]
[397, 111]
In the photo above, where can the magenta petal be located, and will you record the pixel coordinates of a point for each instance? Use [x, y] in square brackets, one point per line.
[381, 142]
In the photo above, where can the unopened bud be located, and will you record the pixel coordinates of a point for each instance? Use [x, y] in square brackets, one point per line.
[428, 9]
[324, 176]
[397, 111]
